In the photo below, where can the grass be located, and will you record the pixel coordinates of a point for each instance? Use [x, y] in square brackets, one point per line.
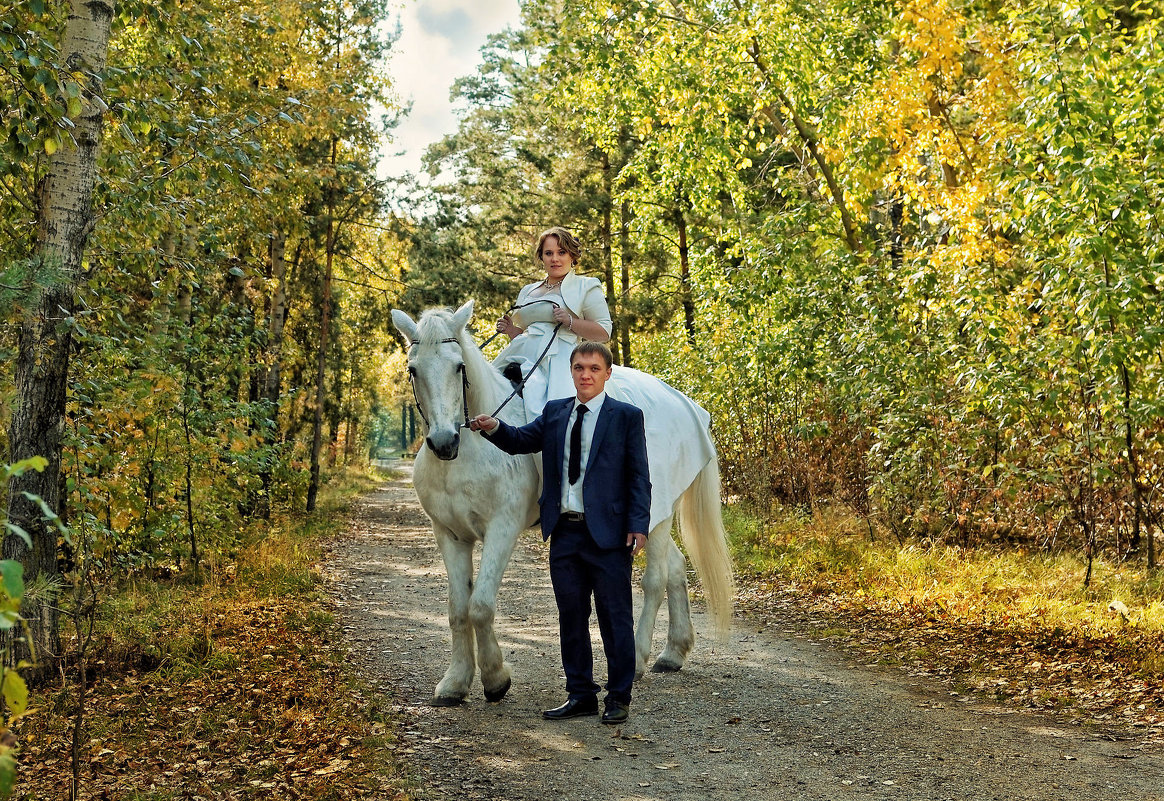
[831, 554]
[232, 688]
[1015, 624]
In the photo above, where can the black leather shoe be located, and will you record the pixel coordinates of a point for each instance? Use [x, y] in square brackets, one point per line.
[615, 713]
[574, 708]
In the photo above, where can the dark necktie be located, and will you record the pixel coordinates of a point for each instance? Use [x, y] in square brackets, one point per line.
[575, 467]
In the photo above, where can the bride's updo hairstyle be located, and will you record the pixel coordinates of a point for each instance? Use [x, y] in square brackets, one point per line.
[565, 239]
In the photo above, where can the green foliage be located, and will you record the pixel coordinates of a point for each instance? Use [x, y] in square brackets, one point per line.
[223, 135]
[12, 686]
[237, 163]
[40, 94]
[923, 259]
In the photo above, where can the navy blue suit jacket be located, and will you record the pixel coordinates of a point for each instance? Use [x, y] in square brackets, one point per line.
[616, 491]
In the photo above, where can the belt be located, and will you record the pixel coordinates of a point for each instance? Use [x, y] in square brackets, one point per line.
[574, 517]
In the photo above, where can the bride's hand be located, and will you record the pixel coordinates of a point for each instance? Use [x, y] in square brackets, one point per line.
[505, 326]
[564, 317]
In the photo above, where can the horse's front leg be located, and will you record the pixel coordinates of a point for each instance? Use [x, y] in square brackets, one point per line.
[458, 558]
[500, 537]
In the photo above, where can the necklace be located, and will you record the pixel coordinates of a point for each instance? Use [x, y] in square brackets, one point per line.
[546, 283]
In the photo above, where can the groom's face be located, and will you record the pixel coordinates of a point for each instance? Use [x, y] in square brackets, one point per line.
[590, 373]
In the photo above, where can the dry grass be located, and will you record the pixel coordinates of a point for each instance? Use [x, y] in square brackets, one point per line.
[1018, 625]
[832, 552]
[234, 688]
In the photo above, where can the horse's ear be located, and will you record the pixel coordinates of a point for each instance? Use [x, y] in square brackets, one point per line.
[405, 325]
[461, 316]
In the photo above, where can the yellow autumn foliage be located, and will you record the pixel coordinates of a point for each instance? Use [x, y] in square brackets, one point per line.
[941, 110]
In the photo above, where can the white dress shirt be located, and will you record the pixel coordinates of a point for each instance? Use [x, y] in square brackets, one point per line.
[572, 493]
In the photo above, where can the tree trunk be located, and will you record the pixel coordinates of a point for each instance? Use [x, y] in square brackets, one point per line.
[238, 319]
[335, 417]
[625, 254]
[272, 373]
[350, 414]
[608, 251]
[65, 219]
[269, 375]
[184, 310]
[321, 363]
[685, 275]
[896, 243]
[350, 431]
[169, 249]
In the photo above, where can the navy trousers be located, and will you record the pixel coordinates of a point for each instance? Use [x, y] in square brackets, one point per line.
[579, 570]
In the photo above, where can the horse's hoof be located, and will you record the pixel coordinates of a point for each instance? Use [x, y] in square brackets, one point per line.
[493, 696]
[447, 700]
[665, 667]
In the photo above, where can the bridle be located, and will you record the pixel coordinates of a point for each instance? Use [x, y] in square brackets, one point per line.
[464, 387]
[465, 379]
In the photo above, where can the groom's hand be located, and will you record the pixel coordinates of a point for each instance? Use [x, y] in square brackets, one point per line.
[636, 542]
[483, 422]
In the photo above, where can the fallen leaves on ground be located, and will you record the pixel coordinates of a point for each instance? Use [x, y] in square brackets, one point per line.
[271, 714]
[1095, 681]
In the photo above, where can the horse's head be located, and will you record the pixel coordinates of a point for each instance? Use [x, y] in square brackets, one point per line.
[436, 368]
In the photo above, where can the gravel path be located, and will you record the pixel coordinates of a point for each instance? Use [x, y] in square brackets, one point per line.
[769, 715]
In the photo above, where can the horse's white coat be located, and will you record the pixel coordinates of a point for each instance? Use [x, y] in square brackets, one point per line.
[474, 492]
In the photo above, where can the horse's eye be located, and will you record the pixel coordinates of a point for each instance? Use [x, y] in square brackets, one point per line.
[411, 371]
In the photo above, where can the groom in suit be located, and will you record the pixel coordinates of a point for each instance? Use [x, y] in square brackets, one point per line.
[596, 505]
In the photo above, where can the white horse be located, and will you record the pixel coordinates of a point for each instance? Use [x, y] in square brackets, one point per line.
[474, 492]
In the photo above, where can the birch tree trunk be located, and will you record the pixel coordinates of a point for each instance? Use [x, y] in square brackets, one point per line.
[65, 220]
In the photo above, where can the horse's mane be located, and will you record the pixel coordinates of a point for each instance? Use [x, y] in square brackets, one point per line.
[487, 387]
[434, 325]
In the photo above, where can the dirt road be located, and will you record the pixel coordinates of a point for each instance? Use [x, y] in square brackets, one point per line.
[769, 715]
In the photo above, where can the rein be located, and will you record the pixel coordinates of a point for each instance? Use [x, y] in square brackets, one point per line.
[465, 379]
[525, 378]
[521, 383]
[515, 307]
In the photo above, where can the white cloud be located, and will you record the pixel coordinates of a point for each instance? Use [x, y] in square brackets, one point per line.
[440, 41]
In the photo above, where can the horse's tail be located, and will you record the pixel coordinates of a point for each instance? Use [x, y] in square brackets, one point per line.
[703, 535]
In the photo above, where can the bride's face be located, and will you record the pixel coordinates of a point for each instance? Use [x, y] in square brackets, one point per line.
[555, 259]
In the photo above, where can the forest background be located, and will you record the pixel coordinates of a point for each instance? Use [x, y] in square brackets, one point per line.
[908, 254]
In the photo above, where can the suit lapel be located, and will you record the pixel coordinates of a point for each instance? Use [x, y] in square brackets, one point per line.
[603, 423]
[556, 436]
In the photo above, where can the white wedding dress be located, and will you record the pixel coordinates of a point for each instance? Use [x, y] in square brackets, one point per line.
[675, 456]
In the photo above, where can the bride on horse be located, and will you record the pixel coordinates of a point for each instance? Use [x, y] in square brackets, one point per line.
[550, 316]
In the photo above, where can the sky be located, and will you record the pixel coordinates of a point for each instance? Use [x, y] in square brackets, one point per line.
[440, 41]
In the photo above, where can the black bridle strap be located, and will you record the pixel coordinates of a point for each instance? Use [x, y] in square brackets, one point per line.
[465, 378]
[515, 307]
[521, 384]
[464, 389]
